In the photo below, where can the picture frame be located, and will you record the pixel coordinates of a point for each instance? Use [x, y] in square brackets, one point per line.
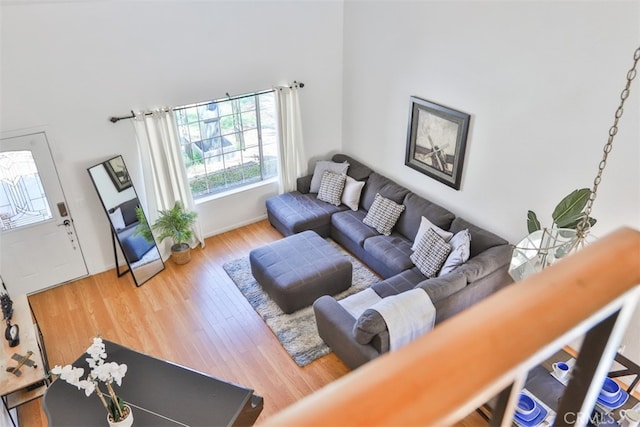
[436, 141]
[118, 173]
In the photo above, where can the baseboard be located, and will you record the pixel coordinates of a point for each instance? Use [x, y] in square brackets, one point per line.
[236, 225]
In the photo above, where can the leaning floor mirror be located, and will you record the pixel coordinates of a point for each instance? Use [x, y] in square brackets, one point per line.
[129, 227]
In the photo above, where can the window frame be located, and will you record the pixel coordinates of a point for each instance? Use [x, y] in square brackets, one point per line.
[197, 135]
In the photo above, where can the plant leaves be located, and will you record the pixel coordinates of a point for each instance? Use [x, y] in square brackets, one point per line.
[574, 224]
[570, 208]
[532, 222]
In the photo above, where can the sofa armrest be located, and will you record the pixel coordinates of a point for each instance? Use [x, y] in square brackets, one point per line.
[486, 262]
[335, 327]
[303, 184]
[485, 278]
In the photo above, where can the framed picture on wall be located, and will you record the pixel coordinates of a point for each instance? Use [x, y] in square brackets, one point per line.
[118, 173]
[436, 141]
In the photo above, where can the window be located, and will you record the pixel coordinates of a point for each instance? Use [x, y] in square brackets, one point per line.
[22, 198]
[229, 143]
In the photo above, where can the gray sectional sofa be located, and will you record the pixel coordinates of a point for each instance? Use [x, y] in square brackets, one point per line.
[484, 273]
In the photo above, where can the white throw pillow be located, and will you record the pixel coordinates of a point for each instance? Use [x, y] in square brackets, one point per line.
[324, 165]
[351, 193]
[383, 215]
[331, 188]
[431, 253]
[460, 248]
[117, 220]
[425, 224]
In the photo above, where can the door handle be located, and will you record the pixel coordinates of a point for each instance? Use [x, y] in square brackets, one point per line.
[66, 223]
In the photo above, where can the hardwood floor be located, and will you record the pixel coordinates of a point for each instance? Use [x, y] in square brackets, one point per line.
[189, 314]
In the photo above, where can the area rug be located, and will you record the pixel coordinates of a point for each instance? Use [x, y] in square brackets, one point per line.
[296, 331]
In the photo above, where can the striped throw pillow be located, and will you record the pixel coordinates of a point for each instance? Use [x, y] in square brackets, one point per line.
[431, 253]
[383, 214]
[331, 188]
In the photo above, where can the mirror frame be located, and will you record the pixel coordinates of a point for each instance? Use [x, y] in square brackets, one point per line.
[123, 225]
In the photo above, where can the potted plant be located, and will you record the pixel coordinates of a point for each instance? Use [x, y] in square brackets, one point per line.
[177, 224]
[119, 414]
[143, 228]
[567, 214]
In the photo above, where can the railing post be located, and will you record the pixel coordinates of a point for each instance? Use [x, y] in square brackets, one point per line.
[506, 403]
[589, 358]
[594, 360]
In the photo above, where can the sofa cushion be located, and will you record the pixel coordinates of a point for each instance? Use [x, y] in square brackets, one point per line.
[351, 193]
[349, 223]
[418, 207]
[387, 188]
[431, 253]
[425, 225]
[383, 215]
[460, 247]
[325, 165]
[331, 187]
[481, 239]
[487, 262]
[439, 288]
[299, 212]
[404, 281]
[356, 170]
[394, 251]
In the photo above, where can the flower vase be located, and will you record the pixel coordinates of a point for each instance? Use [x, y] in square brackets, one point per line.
[127, 421]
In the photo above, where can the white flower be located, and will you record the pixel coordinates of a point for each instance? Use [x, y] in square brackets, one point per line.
[69, 374]
[97, 352]
[102, 372]
[99, 371]
[118, 372]
[88, 386]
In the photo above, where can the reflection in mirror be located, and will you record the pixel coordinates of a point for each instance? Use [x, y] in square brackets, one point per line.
[128, 221]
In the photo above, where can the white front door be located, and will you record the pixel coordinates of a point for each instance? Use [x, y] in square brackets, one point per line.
[38, 243]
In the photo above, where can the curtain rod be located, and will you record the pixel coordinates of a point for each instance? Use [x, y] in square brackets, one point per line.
[116, 119]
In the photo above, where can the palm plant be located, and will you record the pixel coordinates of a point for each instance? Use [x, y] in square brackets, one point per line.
[177, 224]
[143, 227]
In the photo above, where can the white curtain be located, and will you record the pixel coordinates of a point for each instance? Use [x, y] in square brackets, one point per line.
[165, 177]
[290, 131]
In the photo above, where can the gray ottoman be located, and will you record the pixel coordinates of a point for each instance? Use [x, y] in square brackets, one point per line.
[298, 269]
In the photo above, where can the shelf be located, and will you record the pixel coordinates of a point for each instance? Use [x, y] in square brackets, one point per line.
[14, 388]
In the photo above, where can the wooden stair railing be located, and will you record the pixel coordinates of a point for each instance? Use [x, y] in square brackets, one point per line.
[487, 350]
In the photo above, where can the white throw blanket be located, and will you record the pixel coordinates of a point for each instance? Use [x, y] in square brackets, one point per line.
[407, 315]
[357, 303]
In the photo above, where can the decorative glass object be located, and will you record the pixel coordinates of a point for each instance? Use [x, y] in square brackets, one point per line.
[547, 246]
[543, 248]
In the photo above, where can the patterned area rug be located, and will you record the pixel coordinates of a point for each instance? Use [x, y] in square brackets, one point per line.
[296, 331]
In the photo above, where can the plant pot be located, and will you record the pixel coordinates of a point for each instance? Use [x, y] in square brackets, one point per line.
[126, 422]
[181, 253]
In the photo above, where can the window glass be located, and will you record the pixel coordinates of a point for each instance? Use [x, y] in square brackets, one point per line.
[228, 143]
[22, 198]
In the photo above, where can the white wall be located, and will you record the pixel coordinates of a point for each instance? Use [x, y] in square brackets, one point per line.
[68, 66]
[541, 81]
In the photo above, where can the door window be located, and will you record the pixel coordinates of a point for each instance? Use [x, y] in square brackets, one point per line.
[22, 198]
